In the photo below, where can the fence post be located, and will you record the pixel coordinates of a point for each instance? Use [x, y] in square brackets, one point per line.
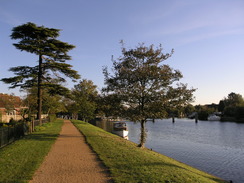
[32, 125]
[1, 136]
[8, 137]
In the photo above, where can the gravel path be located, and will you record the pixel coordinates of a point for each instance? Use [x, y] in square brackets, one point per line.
[71, 161]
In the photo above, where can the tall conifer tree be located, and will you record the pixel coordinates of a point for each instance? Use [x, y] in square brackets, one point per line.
[52, 55]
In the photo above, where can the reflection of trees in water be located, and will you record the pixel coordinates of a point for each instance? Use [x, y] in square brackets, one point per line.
[105, 125]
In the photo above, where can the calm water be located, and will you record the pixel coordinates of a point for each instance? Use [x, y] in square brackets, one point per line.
[214, 147]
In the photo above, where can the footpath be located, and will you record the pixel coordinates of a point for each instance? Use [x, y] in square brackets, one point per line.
[71, 160]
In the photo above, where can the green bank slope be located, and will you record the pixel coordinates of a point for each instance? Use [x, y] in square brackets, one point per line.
[19, 160]
[128, 163]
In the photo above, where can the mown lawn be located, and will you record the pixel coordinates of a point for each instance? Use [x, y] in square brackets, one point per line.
[19, 160]
[128, 163]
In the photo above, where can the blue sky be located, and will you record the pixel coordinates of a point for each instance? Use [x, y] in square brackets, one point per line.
[207, 36]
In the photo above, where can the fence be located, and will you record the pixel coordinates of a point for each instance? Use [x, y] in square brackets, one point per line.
[12, 132]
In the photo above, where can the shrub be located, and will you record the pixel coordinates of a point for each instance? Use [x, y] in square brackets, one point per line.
[52, 117]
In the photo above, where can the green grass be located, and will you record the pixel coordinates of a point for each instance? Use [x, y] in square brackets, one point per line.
[19, 160]
[128, 163]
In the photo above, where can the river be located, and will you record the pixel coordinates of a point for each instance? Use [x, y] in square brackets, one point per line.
[214, 147]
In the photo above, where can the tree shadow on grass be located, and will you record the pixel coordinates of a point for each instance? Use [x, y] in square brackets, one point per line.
[41, 137]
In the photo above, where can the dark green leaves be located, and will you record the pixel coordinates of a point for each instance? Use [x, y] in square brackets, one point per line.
[42, 42]
[52, 54]
[144, 84]
[31, 31]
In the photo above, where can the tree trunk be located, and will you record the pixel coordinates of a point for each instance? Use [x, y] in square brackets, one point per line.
[143, 134]
[39, 92]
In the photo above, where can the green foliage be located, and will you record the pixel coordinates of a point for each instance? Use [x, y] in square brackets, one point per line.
[52, 54]
[10, 102]
[127, 163]
[52, 104]
[189, 109]
[52, 117]
[42, 127]
[20, 160]
[240, 113]
[109, 105]
[84, 100]
[221, 106]
[145, 87]
[235, 112]
[230, 111]
[204, 112]
[42, 42]
[234, 100]
[232, 107]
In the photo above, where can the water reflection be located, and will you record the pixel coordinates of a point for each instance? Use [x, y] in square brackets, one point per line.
[104, 124]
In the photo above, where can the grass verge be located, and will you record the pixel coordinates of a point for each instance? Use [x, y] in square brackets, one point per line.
[19, 160]
[128, 163]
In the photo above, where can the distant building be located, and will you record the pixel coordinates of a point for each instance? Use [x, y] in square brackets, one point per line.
[10, 107]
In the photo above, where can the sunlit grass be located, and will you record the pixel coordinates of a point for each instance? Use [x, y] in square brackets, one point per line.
[128, 163]
[19, 160]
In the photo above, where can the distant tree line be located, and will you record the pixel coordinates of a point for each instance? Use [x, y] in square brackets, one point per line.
[230, 108]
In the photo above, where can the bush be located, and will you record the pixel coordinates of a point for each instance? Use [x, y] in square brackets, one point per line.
[240, 112]
[42, 127]
[52, 117]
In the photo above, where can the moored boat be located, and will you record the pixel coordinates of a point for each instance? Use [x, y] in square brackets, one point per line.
[213, 117]
[120, 129]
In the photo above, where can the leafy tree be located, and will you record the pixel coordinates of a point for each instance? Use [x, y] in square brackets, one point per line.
[234, 100]
[189, 109]
[52, 55]
[145, 87]
[10, 102]
[232, 107]
[240, 113]
[221, 106]
[52, 104]
[108, 105]
[230, 111]
[204, 111]
[84, 95]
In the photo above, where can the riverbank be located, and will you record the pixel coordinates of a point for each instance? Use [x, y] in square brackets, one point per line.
[19, 160]
[229, 119]
[128, 163]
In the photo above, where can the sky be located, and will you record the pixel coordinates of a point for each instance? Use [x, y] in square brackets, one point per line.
[207, 37]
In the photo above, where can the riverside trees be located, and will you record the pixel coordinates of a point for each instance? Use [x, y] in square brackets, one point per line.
[84, 96]
[232, 107]
[145, 87]
[52, 55]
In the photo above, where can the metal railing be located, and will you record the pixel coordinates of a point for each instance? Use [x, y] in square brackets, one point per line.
[11, 132]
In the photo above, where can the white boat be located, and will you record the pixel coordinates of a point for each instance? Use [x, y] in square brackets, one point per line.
[120, 129]
[213, 117]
